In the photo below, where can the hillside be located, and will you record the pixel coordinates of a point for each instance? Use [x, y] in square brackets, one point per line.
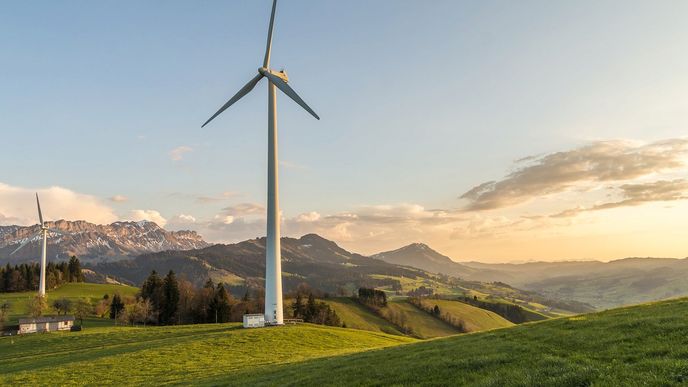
[604, 285]
[200, 354]
[582, 285]
[417, 322]
[474, 319]
[639, 345]
[318, 262]
[95, 243]
[356, 316]
[73, 291]
[644, 344]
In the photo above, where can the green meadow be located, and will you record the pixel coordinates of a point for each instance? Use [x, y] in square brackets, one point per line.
[199, 354]
[639, 345]
[73, 291]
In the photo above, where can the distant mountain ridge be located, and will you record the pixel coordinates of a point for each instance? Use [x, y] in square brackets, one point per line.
[311, 258]
[92, 242]
[601, 284]
[422, 256]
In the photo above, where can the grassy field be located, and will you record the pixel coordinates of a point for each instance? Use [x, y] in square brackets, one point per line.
[639, 345]
[19, 301]
[358, 317]
[200, 354]
[422, 324]
[475, 319]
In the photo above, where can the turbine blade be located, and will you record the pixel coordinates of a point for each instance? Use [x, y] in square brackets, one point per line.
[244, 90]
[286, 89]
[268, 47]
[26, 242]
[40, 215]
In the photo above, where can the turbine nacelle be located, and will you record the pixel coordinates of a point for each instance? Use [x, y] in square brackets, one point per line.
[280, 74]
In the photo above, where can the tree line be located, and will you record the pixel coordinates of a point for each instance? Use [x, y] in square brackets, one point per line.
[26, 276]
[511, 312]
[314, 312]
[170, 301]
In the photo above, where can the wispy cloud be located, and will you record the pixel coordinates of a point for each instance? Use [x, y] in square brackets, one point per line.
[178, 153]
[118, 198]
[637, 194]
[603, 161]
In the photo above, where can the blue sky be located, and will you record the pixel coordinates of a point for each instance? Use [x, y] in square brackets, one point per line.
[420, 102]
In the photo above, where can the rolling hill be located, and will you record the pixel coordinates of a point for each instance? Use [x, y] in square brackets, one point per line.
[356, 316]
[205, 354]
[603, 285]
[19, 301]
[474, 319]
[640, 345]
[320, 263]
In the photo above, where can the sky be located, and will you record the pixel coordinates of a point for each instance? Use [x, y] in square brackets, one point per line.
[495, 131]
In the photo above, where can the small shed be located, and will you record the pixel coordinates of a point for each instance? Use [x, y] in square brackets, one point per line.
[254, 321]
[46, 324]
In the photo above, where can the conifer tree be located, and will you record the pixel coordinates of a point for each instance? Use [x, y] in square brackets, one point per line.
[170, 299]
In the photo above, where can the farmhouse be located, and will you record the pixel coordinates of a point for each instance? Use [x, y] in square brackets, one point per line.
[254, 320]
[45, 324]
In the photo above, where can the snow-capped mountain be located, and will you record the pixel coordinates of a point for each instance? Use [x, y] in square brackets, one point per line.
[91, 242]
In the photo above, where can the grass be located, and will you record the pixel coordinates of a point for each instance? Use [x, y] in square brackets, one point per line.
[422, 324]
[358, 317]
[19, 301]
[198, 354]
[639, 345]
[474, 319]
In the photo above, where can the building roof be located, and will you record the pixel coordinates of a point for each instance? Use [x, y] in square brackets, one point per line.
[45, 319]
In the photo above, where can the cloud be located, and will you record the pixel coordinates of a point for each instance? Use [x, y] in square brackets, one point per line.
[118, 198]
[214, 199]
[244, 209]
[149, 215]
[18, 205]
[637, 194]
[308, 217]
[178, 153]
[602, 161]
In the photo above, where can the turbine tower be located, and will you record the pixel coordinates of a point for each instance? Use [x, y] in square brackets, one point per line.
[43, 232]
[273, 260]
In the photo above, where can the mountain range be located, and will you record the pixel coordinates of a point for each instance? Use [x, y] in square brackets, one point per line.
[128, 251]
[95, 243]
[601, 284]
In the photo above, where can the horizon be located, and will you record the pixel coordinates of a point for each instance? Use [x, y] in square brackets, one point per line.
[556, 139]
[492, 262]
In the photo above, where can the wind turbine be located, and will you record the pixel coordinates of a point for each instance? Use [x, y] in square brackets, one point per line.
[44, 233]
[273, 260]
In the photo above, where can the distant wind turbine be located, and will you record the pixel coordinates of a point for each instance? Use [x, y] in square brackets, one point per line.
[273, 263]
[43, 232]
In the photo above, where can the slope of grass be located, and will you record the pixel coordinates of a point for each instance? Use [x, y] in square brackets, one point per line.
[19, 301]
[357, 316]
[422, 324]
[639, 345]
[474, 319]
[198, 354]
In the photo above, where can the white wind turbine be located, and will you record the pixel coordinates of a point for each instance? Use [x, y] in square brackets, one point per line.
[273, 264]
[44, 248]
